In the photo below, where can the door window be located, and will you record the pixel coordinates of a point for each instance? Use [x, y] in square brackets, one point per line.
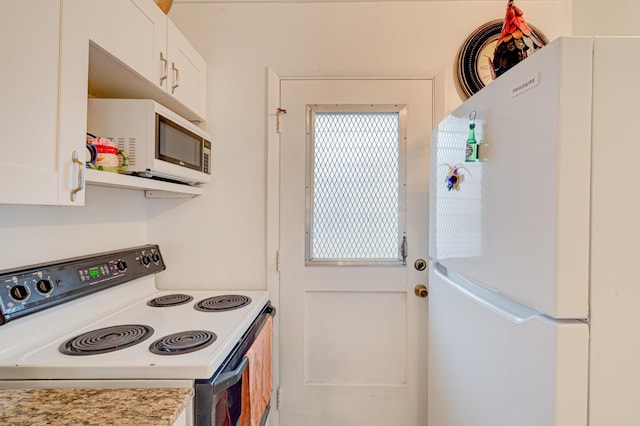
[355, 184]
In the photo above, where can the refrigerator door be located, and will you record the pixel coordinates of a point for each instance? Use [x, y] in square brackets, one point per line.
[493, 362]
[518, 222]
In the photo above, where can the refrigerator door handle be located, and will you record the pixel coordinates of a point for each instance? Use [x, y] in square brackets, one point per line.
[507, 308]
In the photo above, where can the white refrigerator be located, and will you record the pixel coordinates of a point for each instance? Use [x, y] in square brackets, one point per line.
[535, 247]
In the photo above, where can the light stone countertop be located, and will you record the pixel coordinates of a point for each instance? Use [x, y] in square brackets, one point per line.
[139, 406]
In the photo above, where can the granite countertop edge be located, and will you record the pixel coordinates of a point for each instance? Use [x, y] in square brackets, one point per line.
[93, 406]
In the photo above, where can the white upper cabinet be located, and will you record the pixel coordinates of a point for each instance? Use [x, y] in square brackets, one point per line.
[137, 52]
[187, 78]
[29, 103]
[37, 109]
[60, 51]
[139, 39]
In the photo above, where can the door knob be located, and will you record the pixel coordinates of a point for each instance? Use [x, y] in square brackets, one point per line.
[421, 290]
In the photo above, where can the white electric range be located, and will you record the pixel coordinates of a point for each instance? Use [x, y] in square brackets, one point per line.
[99, 321]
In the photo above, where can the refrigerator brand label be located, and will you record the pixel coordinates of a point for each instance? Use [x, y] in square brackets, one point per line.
[528, 84]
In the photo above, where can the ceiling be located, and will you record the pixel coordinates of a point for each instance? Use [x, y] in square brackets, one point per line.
[331, 1]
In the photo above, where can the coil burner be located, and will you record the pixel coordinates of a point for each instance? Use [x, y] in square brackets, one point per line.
[223, 303]
[170, 300]
[183, 342]
[106, 339]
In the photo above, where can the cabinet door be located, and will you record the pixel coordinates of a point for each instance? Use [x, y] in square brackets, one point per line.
[187, 71]
[29, 102]
[132, 31]
[139, 39]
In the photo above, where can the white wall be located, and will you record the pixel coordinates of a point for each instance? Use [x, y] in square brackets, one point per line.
[225, 229]
[612, 17]
[111, 219]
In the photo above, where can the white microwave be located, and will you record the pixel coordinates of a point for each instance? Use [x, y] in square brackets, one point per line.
[159, 143]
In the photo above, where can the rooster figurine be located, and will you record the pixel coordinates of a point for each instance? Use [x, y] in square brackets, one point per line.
[516, 42]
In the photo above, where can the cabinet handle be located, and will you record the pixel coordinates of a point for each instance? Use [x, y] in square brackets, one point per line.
[165, 68]
[80, 187]
[176, 73]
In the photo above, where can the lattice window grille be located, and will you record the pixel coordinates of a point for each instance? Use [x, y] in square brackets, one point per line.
[355, 185]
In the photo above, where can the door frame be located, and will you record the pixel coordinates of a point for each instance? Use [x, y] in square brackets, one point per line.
[274, 77]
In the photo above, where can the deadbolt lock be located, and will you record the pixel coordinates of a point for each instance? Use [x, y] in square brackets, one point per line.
[421, 291]
[420, 264]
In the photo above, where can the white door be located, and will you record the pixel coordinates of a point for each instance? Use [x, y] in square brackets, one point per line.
[353, 334]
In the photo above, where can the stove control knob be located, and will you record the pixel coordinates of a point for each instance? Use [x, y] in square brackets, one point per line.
[44, 286]
[155, 257]
[145, 259]
[19, 292]
[121, 265]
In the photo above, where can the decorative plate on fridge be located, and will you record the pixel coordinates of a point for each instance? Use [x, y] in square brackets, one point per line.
[474, 57]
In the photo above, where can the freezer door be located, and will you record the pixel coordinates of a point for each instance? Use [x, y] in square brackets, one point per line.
[493, 362]
[518, 220]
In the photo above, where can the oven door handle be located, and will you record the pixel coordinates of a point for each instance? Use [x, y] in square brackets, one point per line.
[230, 378]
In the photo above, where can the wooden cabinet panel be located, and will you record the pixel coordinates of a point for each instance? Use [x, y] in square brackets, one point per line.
[139, 37]
[29, 113]
[187, 71]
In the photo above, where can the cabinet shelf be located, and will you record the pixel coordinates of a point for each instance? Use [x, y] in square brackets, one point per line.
[153, 188]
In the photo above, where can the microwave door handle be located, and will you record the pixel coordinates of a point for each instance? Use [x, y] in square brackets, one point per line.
[228, 379]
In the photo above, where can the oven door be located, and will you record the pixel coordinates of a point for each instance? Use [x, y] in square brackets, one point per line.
[218, 400]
